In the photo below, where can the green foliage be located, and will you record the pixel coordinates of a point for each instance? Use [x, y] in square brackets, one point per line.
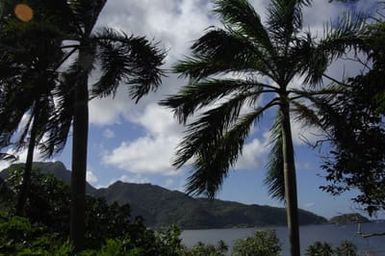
[18, 236]
[263, 243]
[346, 219]
[47, 205]
[161, 207]
[319, 249]
[201, 249]
[355, 124]
[346, 248]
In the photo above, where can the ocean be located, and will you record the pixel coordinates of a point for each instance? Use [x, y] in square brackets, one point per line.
[333, 234]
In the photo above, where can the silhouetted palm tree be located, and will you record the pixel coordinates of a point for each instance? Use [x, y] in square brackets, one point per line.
[122, 58]
[258, 60]
[30, 55]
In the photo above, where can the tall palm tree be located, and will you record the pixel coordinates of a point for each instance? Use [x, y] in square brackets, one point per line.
[250, 53]
[30, 53]
[122, 58]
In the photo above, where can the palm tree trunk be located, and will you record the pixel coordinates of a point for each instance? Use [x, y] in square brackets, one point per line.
[290, 180]
[26, 183]
[79, 160]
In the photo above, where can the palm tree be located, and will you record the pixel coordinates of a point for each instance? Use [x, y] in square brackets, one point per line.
[251, 53]
[30, 53]
[122, 58]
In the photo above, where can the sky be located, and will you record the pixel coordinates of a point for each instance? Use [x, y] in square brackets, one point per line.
[137, 142]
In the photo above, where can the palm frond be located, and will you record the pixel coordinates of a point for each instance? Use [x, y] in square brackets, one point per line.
[7, 157]
[59, 123]
[220, 51]
[242, 17]
[209, 127]
[305, 114]
[274, 179]
[343, 35]
[285, 19]
[132, 60]
[85, 13]
[214, 158]
[202, 93]
[330, 90]
[306, 60]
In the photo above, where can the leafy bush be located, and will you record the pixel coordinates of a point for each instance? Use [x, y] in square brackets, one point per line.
[201, 249]
[263, 243]
[47, 205]
[19, 237]
[320, 249]
[346, 248]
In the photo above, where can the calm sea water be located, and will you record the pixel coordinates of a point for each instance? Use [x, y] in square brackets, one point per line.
[309, 234]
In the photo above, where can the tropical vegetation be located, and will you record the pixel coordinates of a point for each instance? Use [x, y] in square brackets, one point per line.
[237, 73]
[121, 58]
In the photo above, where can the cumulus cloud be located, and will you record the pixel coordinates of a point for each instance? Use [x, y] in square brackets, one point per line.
[144, 155]
[176, 24]
[91, 178]
[153, 152]
[309, 205]
[21, 157]
[253, 154]
[134, 179]
[108, 133]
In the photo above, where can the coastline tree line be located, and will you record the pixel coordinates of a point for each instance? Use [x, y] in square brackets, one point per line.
[50, 48]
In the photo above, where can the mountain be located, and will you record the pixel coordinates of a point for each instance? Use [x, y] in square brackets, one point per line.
[161, 207]
[58, 169]
[351, 218]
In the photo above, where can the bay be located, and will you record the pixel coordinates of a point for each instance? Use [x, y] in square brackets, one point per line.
[333, 234]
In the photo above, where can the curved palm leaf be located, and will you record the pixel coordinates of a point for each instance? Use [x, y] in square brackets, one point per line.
[274, 179]
[285, 19]
[210, 127]
[222, 51]
[213, 161]
[198, 95]
[128, 59]
[244, 47]
[243, 18]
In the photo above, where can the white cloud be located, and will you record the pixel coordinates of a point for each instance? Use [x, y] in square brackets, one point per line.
[108, 133]
[309, 205]
[21, 157]
[3, 165]
[37, 156]
[304, 134]
[134, 179]
[169, 182]
[145, 155]
[153, 152]
[175, 24]
[91, 178]
[253, 154]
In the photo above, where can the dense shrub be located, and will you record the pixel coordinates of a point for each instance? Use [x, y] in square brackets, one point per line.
[110, 229]
[263, 243]
[201, 249]
[19, 237]
[346, 248]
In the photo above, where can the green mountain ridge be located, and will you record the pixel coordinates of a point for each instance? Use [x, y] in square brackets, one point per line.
[161, 207]
[351, 218]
